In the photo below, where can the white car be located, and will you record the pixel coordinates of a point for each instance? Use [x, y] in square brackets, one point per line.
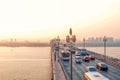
[77, 53]
[78, 59]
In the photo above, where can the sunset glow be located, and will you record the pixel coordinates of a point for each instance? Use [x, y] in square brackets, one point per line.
[45, 19]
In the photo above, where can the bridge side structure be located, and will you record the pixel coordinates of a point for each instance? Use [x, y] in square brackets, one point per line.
[57, 69]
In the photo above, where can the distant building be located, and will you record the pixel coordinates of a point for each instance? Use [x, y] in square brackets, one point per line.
[98, 39]
[110, 39]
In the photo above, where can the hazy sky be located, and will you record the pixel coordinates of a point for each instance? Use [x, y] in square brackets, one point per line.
[45, 19]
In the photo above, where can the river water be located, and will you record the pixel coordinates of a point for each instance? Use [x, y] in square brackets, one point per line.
[25, 63]
[110, 51]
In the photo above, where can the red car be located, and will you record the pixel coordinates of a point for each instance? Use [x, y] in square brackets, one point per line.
[92, 57]
[86, 58]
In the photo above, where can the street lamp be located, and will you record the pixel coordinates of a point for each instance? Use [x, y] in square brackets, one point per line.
[104, 40]
[84, 42]
[58, 40]
[70, 39]
[54, 45]
[70, 32]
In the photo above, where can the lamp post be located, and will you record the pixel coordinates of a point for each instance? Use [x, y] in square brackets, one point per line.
[84, 42]
[70, 32]
[104, 40]
[70, 39]
[58, 40]
[54, 44]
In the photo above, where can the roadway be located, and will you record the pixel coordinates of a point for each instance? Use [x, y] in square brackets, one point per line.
[78, 69]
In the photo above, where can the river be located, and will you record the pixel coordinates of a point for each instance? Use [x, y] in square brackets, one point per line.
[110, 51]
[25, 63]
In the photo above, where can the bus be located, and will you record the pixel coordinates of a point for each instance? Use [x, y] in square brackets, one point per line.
[65, 54]
[94, 76]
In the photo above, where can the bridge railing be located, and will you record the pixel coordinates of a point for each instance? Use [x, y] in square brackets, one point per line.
[110, 60]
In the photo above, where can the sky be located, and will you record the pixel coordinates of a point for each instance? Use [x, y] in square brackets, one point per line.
[46, 19]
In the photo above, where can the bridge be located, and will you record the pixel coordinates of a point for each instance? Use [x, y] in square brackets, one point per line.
[63, 68]
[70, 70]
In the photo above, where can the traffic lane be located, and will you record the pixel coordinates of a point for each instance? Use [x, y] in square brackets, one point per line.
[112, 69]
[113, 73]
[76, 72]
[108, 74]
[65, 65]
[77, 75]
[79, 69]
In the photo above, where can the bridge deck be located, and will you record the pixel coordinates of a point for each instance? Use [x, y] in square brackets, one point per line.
[78, 70]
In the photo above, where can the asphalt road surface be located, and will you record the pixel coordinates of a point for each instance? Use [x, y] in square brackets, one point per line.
[113, 73]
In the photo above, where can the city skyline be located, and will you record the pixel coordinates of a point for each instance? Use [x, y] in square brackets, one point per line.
[97, 38]
[44, 20]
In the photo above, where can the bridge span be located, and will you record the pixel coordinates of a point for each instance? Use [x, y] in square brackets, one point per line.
[113, 72]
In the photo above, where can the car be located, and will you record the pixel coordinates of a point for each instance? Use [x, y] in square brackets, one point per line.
[91, 69]
[86, 58]
[102, 66]
[78, 53]
[73, 50]
[83, 52]
[65, 55]
[78, 59]
[67, 48]
[91, 57]
[61, 47]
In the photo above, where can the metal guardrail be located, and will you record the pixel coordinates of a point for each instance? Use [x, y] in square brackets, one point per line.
[110, 60]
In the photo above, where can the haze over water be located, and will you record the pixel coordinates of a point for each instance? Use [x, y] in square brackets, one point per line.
[25, 63]
[110, 51]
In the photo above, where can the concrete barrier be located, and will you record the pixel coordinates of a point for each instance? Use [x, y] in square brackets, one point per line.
[64, 70]
[53, 68]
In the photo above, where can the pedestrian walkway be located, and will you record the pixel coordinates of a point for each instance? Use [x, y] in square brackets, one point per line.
[58, 73]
